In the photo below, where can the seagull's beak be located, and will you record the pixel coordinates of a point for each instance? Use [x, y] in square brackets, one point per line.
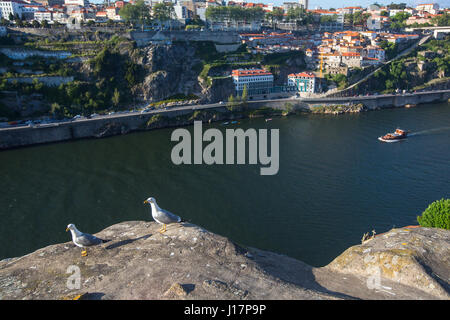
[67, 229]
[145, 201]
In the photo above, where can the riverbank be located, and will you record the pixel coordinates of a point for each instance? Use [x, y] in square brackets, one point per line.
[189, 262]
[181, 116]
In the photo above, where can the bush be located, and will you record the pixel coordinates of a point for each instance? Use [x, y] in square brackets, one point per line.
[437, 215]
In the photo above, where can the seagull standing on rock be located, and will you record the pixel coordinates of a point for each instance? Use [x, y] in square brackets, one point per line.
[161, 216]
[83, 240]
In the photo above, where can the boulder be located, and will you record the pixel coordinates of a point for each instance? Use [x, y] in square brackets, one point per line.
[189, 262]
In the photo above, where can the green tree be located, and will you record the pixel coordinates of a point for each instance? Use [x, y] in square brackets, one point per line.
[116, 97]
[442, 20]
[137, 13]
[437, 215]
[55, 110]
[400, 6]
[244, 94]
[163, 12]
[278, 15]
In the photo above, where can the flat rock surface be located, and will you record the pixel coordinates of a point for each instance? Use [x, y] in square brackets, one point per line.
[188, 262]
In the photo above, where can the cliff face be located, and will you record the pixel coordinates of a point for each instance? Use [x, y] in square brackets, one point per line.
[220, 90]
[188, 262]
[170, 70]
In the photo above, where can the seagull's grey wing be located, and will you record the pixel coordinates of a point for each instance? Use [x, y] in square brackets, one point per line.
[88, 240]
[167, 217]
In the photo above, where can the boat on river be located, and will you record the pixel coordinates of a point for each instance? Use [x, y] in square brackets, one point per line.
[398, 135]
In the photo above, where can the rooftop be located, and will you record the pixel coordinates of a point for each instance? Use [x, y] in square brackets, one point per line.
[250, 72]
[305, 74]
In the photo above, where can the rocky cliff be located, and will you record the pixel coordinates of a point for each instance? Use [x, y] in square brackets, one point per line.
[170, 69]
[188, 262]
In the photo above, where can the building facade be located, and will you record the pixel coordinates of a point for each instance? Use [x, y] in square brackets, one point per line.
[303, 3]
[304, 82]
[12, 7]
[257, 81]
[80, 3]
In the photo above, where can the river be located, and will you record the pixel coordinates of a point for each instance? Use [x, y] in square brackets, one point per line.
[336, 181]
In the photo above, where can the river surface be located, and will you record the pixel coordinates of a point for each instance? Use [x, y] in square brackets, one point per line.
[336, 181]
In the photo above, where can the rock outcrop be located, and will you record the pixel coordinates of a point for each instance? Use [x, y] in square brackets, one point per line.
[219, 90]
[188, 262]
[170, 69]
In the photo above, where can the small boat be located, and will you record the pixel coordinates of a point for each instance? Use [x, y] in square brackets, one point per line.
[225, 123]
[270, 119]
[398, 135]
[233, 122]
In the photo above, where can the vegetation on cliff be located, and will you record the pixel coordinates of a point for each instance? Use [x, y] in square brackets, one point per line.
[106, 81]
[437, 215]
[414, 71]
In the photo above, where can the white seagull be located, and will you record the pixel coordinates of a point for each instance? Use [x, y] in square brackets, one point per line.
[161, 216]
[83, 240]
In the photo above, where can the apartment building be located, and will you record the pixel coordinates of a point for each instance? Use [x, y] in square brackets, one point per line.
[257, 81]
[13, 7]
[304, 82]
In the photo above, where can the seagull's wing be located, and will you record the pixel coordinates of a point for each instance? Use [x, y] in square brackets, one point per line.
[88, 240]
[167, 217]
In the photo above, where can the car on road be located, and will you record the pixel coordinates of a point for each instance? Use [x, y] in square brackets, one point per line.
[220, 102]
[76, 117]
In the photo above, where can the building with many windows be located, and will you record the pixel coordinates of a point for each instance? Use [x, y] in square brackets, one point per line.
[257, 81]
[11, 7]
[304, 82]
[43, 15]
[80, 3]
[428, 7]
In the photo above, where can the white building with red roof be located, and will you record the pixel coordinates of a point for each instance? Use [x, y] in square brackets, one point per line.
[28, 10]
[304, 81]
[257, 81]
[428, 7]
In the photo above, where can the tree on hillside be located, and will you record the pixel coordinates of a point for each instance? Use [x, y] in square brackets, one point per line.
[442, 20]
[234, 14]
[137, 13]
[400, 6]
[278, 14]
[116, 97]
[244, 94]
[163, 12]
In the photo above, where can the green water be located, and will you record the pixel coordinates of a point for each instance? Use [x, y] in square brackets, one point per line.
[336, 181]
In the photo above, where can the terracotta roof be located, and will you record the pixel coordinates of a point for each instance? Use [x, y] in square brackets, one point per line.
[302, 74]
[250, 72]
[350, 54]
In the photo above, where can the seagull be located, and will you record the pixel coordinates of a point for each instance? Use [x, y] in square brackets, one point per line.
[82, 239]
[161, 216]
